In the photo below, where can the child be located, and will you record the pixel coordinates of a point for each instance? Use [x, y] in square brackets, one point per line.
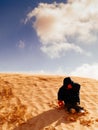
[68, 94]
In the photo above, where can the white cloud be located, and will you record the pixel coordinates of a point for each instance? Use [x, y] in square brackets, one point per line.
[86, 70]
[56, 50]
[58, 71]
[56, 23]
[21, 44]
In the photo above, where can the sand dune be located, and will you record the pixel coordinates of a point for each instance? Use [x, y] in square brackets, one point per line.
[29, 102]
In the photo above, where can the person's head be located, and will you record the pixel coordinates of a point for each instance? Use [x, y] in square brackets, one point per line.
[67, 81]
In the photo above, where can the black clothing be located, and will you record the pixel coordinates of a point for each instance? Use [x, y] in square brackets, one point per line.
[69, 96]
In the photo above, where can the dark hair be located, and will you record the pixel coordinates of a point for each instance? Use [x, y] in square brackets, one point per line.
[67, 81]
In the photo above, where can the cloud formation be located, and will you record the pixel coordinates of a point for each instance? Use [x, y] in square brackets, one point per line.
[63, 27]
[21, 44]
[87, 70]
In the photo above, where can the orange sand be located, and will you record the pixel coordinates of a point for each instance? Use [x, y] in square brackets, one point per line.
[29, 102]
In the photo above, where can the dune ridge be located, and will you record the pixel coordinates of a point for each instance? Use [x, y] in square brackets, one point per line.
[29, 102]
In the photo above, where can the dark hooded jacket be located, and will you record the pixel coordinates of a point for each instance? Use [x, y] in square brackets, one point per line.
[69, 96]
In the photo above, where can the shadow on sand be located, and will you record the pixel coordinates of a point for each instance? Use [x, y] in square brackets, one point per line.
[45, 119]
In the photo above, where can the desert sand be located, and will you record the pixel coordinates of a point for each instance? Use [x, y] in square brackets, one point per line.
[29, 102]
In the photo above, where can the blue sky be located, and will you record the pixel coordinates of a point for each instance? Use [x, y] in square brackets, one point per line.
[49, 37]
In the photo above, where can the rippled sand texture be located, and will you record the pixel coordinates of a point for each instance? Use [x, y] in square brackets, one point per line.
[29, 102]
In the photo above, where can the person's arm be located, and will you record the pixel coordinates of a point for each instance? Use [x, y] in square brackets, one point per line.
[78, 93]
[78, 98]
[61, 94]
[60, 97]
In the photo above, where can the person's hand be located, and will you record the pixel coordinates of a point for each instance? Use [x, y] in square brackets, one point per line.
[60, 103]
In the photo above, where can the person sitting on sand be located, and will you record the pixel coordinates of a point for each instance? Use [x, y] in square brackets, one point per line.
[68, 95]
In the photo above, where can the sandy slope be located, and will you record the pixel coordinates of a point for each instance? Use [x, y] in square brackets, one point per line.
[29, 102]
